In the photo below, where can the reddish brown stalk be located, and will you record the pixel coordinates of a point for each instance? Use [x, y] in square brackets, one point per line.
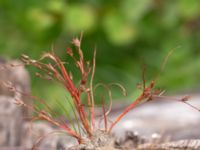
[83, 84]
[66, 76]
[123, 91]
[44, 116]
[192, 106]
[104, 115]
[76, 97]
[126, 110]
[91, 91]
[33, 108]
[52, 112]
[146, 94]
[64, 79]
[107, 89]
[165, 62]
[143, 77]
[66, 128]
[80, 109]
[75, 93]
[41, 138]
[183, 99]
[87, 90]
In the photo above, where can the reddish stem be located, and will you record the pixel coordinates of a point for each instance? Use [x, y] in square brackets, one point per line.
[127, 109]
[91, 90]
[104, 115]
[76, 97]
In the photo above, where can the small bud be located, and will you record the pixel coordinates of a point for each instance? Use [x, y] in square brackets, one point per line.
[87, 90]
[69, 51]
[88, 63]
[76, 42]
[185, 98]
[25, 56]
[38, 75]
[19, 102]
[33, 61]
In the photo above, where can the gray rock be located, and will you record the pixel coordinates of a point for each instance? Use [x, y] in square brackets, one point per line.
[53, 139]
[167, 117]
[10, 122]
[11, 115]
[13, 72]
[13, 148]
[192, 144]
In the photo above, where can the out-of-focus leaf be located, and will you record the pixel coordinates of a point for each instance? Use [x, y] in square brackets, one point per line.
[133, 10]
[189, 8]
[171, 15]
[39, 19]
[182, 78]
[56, 6]
[44, 26]
[79, 18]
[118, 31]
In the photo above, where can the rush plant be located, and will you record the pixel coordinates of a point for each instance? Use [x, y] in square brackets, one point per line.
[52, 68]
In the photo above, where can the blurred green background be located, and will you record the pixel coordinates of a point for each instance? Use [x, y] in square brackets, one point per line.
[126, 33]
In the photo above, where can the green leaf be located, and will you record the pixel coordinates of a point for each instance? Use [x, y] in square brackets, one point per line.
[39, 20]
[118, 31]
[56, 6]
[133, 10]
[45, 26]
[171, 15]
[189, 8]
[79, 18]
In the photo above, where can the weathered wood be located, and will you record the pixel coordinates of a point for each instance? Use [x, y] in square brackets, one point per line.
[13, 148]
[177, 145]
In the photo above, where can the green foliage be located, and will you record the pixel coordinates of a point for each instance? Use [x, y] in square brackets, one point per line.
[115, 25]
[79, 18]
[126, 33]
